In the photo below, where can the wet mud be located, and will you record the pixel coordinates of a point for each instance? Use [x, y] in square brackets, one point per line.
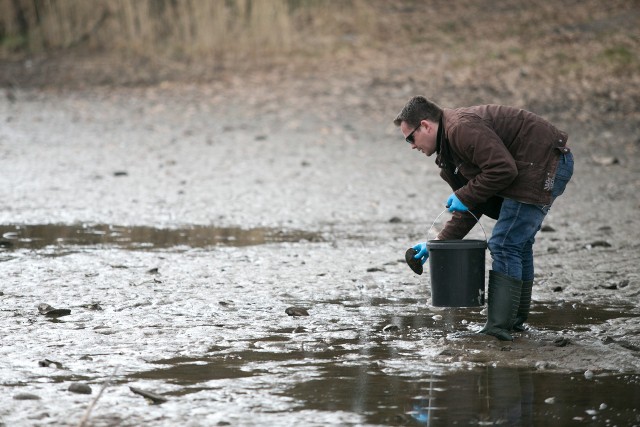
[156, 244]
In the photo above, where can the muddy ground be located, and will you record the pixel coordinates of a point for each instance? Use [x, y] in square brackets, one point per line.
[302, 194]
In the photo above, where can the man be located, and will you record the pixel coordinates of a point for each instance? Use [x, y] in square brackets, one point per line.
[504, 162]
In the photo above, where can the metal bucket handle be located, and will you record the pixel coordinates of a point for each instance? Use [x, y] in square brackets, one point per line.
[445, 210]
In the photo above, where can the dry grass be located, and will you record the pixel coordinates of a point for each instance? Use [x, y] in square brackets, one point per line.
[183, 30]
[540, 54]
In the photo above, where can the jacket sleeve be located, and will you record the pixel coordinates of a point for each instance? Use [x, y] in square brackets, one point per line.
[479, 146]
[458, 226]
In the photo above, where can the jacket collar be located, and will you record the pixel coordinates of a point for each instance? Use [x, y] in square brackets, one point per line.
[441, 145]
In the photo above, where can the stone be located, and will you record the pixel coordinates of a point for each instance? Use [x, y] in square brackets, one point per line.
[47, 310]
[26, 396]
[79, 388]
[296, 311]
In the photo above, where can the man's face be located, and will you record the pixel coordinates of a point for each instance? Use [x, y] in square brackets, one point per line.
[423, 137]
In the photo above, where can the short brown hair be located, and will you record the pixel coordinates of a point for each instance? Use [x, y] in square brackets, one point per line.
[417, 109]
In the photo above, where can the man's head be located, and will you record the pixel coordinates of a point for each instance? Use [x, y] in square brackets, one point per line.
[419, 121]
[417, 109]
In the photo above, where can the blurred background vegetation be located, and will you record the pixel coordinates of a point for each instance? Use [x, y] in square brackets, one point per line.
[180, 29]
[537, 48]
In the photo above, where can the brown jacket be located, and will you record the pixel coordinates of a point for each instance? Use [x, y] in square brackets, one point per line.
[488, 152]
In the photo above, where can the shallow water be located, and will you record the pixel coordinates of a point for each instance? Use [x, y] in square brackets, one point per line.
[206, 329]
[38, 236]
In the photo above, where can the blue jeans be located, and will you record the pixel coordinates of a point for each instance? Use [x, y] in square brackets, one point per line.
[511, 243]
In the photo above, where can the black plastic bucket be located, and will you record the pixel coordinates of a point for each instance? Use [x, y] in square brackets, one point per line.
[457, 272]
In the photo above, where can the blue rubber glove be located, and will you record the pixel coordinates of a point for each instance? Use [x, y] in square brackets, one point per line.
[423, 253]
[454, 204]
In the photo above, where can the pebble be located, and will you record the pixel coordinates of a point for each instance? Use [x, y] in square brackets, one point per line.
[550, 400]
[296, 311]
[437, 317]
[26, 396]
[588, 374]
[79, 388]
[390, 328]
[598, 244]
[605, 160]
[541, 365]
[47, 310]
[48, 363]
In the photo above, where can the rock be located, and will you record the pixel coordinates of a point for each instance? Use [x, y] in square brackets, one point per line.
[628, 346]
[395, 220]
[561, 342]
[296, 311]
[588, 374]
[414, 264]
[156, 399]
[547, 229]
[557, 289]
[598, 244]
[390, 329]
[437, 317]
[26, 396]
[120, 173]
[605, 160]
[550, 400]
[542, 365]
[607, 340]
[79, 388]
[47, 310]
[47, 363]
[374, 269]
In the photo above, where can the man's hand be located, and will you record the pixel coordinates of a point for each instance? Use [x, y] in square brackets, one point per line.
[454, 204]
[423, 253]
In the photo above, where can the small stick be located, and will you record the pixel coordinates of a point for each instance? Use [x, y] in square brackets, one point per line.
[94, 401]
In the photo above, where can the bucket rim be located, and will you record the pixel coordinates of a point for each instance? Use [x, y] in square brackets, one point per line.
[457, 244]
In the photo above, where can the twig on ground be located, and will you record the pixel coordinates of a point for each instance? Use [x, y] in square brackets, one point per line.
[94, 401]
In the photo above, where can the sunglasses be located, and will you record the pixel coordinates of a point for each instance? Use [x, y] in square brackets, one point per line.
[409, 137]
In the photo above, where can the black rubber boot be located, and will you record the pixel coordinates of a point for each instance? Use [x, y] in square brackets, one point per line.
[503, 303]
[524, 307]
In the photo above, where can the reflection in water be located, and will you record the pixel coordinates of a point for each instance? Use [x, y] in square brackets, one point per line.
[140, 237]
[480, 396]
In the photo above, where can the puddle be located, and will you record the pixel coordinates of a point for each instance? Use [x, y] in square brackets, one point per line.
[546, 315]
[140, 237]
[479, 396]
[483, 396]
[556, 316]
